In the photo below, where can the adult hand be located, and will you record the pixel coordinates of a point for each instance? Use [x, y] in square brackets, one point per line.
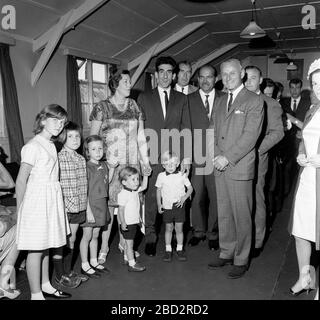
[290, 117]
[185, 168]
[220, 163]
[315, 160]
[124, 226]
[299, 134]
[302, 160]
[146, 169]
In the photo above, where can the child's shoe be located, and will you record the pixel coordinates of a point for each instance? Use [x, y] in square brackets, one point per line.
[167, 256]
[181, 255]
[136, 268]
[82, 277]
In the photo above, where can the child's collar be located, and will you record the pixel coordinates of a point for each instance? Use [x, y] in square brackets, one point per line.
[125, 188]
[175, 172]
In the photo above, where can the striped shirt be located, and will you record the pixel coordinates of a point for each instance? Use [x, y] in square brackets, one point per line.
[73, 180]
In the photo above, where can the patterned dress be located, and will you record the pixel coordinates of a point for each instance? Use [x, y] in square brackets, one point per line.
[119, 131]
[42, 222]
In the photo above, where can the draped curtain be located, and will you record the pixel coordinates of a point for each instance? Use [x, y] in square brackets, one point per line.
[10, 104]
[73, 92]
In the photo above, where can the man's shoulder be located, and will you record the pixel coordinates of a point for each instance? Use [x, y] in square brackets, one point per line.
[270, 101]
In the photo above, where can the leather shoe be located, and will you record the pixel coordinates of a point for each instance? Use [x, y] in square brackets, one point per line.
[136, 268]
[94, 275]
[150, 249]
[101, 270]
[57, 295]
[237, 271]
[194, 241]
[213, 244]
[219, 262]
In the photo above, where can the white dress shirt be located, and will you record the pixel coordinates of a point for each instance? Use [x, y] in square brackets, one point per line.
[297, 102]
[210, 99]
[185, 89]
[234, 93]
[162, 99]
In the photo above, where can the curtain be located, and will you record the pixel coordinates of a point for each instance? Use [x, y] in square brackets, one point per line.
[10, 104]
[73, 92]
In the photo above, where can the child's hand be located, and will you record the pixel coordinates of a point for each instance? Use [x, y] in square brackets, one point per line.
[180, 203]
[124, 226]
[160, 208]
[90, 218]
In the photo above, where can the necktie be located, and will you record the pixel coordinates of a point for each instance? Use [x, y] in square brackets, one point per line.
[230, 101]
[206, 104]
[294, 105]
[166, 100]
[182, 89]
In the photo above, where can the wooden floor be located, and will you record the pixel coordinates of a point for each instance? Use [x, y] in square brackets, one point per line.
[269, 277]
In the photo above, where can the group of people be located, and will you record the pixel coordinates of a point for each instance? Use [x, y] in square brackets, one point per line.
[199, 150]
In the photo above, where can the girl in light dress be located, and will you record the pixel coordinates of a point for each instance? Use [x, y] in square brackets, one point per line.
[42, 222]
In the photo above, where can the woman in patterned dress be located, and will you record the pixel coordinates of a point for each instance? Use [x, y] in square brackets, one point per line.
[120, 122]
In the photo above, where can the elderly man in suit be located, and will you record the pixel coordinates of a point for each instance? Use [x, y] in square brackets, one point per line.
[295, 108]
[165, 110]
[204, 213]
[183, 78]
[237, 122]
[271, 134]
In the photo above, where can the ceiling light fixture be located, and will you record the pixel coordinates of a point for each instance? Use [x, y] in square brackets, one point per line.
[292, 67]
[252, 30]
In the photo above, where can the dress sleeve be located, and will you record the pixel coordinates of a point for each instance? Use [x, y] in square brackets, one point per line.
[97, 112]
[139, 112]
[29, 154]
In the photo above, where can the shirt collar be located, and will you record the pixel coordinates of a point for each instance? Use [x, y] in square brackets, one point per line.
[179, 88]
[235, 92]
[125, 188]
[297, 100]
[161, 90]
[175, 172]
[203, 94]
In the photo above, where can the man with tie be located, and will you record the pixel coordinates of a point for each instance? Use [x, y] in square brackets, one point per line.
[271, 134]
[183, 78]
[237, 121]
[165, 110]
[204, 213]
[295, 108]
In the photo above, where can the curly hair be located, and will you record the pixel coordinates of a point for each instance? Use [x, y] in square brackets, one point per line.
[115, 79]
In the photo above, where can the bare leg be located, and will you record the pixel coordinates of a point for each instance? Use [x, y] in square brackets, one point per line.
[168, 234]
[74, 228]
[33, 267]
[129, 251]
[303, 249]
[94, 245]
[105, 236]
[84, 244]
[179, 232]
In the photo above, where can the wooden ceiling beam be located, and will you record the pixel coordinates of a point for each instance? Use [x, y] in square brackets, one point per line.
[77, 16]
[167, 42]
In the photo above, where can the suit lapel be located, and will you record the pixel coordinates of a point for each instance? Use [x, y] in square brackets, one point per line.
[235, 103]
[157, 104]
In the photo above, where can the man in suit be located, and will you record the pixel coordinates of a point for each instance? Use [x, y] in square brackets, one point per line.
[204, 213]
[295, 108]
[165, 109]
[237, 122]
[271, 134]
[183, 78]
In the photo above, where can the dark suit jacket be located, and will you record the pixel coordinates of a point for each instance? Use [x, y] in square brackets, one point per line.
[272, 130]
[302, 107]
[177, 117]
[200, 123]
[237, 132]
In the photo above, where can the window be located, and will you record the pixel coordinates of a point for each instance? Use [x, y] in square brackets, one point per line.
[93, 77]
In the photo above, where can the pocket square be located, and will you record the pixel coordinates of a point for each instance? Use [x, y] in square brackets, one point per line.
[239, 112]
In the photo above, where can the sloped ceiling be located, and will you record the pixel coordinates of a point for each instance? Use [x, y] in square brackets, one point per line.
[125, 29]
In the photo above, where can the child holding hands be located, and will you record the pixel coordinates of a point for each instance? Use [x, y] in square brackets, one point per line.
[171, 196]
[129, 212]
[97, 215]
